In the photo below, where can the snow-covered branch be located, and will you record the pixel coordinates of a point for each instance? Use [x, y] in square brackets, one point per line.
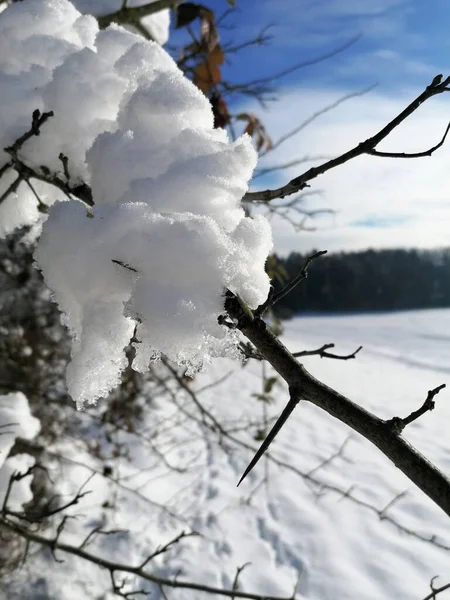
[167, 234]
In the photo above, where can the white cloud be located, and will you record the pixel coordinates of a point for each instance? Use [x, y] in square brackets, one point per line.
[323, 20]
[387, 66]
[380, 202]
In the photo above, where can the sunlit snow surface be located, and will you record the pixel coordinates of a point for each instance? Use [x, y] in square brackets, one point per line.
[342, 551]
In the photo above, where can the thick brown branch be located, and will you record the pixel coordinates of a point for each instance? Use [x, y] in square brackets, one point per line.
[436, 87]
[132, 14]
[420, 471]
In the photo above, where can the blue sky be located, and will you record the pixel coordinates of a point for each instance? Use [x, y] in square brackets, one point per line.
[403, 44]
[396, 36]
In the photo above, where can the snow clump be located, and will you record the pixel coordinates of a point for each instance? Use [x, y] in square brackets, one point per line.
[167, 234]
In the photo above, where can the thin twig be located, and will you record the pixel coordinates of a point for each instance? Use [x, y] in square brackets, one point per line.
[274, 298]
[37, 120]
[113, 567]
[65, 162]
[124, 265]
[287, 165]
[422, 154]
[397, 424]
[302, 64]
[80, 189]
[321, 112]
[42, 207]
[12, 188]
[5, 167]
[322, 352]
[239, 570]
[436, 591]
[162, 549]
[339, 453]
[99, 531]
[391, 503]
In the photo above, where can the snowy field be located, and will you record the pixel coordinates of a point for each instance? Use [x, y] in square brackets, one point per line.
[290, 530]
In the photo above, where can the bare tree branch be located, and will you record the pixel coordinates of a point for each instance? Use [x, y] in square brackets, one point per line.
[40, 516]
[302, 385]
[437, 86]
[132, 14]
[99, 531]
[399, 424]
[12, 188]
[5, 167]
[236, 578]
[321, 112]
[113, 567]
[37, 120]
[322, 352]
[311, 478]
[274, 298]
[300, 65]
[287, 165]
[338, 454]
[435, 591]
[24, 173]
[162, 549]
[262, 38]
[391, 503]
[422, 154]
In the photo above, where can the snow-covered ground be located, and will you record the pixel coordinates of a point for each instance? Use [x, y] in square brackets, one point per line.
[289, 529]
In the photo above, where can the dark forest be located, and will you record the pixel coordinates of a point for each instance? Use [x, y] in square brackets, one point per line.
[373, 280]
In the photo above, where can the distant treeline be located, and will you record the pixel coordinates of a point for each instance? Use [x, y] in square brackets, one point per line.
[367, 281]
